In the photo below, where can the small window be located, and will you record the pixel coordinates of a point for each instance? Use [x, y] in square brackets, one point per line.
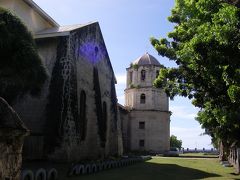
[141, 143]
[143, 75]
[142, 125]
[157, 73]
[142, 99]
[131, 77]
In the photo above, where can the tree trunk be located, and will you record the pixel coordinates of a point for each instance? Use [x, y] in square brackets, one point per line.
[223, 151]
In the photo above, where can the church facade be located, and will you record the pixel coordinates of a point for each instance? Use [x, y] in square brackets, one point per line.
[76, 115]
[145, 115]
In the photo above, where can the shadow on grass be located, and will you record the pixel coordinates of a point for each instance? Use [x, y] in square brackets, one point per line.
[235, 174]
[173, 171]
[151, 171]
[202, 157]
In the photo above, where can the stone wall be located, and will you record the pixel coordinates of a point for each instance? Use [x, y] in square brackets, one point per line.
[125, 126]
[32, 110]
[76, 63]
[151, 73]
[156, 99]
[28, 15]
[11, 154]
[156, 133]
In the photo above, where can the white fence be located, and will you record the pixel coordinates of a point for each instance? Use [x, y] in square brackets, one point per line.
[203, 150]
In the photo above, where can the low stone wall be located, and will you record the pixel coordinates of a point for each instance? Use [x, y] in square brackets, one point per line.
[12, 133]
[91, 167]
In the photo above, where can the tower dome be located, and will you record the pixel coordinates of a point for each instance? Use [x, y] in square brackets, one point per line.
[146, 59]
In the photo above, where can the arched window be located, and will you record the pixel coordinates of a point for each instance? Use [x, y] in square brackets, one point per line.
[130, 77]
[83, 119]
[143, 75]
[142, 99]
[157, 73]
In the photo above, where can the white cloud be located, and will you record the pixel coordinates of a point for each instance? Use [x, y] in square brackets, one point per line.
[120, 86]
[186, 131]
[192, 138]
[183, 112]
[121, 79]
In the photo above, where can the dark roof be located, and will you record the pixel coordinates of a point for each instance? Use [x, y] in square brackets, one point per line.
[146, 59]
[59, 31]
[123, 108]
[65, 31]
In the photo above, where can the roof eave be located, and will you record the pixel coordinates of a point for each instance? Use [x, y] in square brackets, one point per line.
[58, 34]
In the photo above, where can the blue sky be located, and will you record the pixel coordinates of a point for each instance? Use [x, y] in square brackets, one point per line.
[127, 26]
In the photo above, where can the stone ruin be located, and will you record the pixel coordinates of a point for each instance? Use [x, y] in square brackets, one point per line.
[12, 134]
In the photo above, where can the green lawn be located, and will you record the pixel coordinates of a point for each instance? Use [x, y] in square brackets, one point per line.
[203, 155]
[164, 168]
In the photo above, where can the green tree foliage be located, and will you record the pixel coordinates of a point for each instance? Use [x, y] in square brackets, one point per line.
[174, 142]
[205, 44]
[21, 70]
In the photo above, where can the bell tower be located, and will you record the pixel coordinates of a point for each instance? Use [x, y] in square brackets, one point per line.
[140, 93]
[149, 118]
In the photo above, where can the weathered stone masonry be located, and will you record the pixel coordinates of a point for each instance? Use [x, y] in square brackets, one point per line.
[12, 134]
[76, 63]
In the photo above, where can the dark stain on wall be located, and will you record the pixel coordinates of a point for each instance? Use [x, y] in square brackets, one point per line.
[99, 109]
[63, 100]
[73, 88]
[82, 116]
[55, 100]
[114, 108]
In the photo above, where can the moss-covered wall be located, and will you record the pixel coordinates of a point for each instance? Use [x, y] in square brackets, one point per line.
[75, 63]
[32, 110]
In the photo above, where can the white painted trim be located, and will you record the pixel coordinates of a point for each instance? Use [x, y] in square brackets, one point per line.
[40, 36]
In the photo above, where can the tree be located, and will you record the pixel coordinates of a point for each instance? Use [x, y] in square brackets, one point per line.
[234, 2]
[205, 45]
[174, 142]
[21, 70]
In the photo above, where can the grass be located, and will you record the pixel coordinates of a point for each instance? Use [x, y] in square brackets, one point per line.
[166, 168]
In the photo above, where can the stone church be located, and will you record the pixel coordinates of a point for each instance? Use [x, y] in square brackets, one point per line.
[145, 116]
[77, 117]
